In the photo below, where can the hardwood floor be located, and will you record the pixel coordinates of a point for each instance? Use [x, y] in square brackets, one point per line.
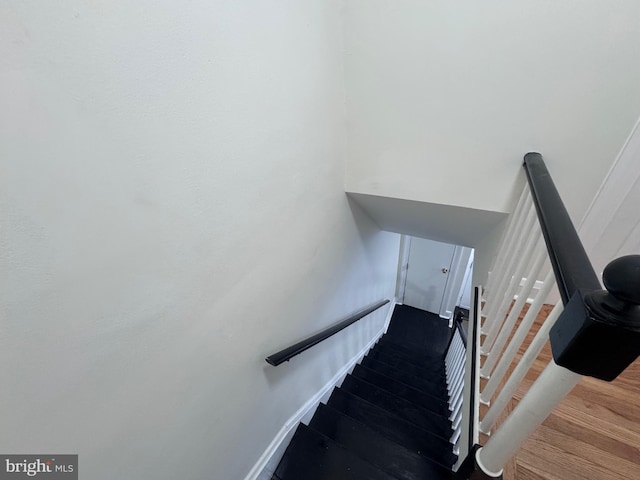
[594, 434]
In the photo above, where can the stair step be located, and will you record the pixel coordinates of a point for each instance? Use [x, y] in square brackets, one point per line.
[424, 400]
[426, 370]
[389, 420]
[417, 328]
[437, 388]
[313, 456]
[393, 427]
[437, 424]
[416, 359]
[378, 450]
[413, 349]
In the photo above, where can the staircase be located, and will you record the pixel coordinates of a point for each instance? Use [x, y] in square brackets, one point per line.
[390, 417]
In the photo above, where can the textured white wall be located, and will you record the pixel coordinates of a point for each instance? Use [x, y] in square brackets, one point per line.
[173, 211]
[456, 92]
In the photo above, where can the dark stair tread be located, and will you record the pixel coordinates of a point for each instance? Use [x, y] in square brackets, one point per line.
[429, 371]
[437, 424]
[313, 456]
[433, 387]
[373, 447]
[417, 360]
[415, 357]
[389, 421]
[393, 427]
[420, 361]
[417, 328]
[420, 398]
[421, 353]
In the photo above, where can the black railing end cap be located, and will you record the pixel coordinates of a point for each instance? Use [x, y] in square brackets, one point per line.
[621, 277]
[532, 156]
[271, 361]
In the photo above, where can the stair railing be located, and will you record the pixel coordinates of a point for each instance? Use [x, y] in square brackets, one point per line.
[455, 372]
[466, 432]
[288, 353]
[592, 331]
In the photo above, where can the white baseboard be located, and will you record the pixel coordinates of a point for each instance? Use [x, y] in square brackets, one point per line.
[268, 461]
[394, 302]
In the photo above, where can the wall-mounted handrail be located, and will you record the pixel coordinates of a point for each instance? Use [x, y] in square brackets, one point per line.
[571, 265]
[290, 352]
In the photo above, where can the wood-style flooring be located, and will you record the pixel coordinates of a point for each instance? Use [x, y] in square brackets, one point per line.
[594, 434]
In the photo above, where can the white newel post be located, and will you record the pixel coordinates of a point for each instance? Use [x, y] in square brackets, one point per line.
[545, 394]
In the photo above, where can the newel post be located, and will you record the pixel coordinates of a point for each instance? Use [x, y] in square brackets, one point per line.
[597, 335]
[600, 335]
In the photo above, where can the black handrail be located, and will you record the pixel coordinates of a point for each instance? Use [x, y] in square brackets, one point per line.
[290, 352]
[473, 333]
[598, 332]
[463, 334]
[457, 325]
[571, 265]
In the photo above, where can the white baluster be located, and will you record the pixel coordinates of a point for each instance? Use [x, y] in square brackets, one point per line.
[455, 437]
[512, 349]
[545, 394]
[520, 371]
[493, 322]
[496, 270]
[534, 241]
[456, 373]
[510, 322]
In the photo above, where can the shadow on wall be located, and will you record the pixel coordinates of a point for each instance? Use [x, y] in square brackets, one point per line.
[365, 224]
[424, 296]
[358, 259]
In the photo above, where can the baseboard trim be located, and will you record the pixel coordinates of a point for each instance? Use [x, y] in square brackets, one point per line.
[394, 302]
[268, 461]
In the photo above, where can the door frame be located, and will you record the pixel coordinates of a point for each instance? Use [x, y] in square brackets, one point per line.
[403, 266]
[457, 273]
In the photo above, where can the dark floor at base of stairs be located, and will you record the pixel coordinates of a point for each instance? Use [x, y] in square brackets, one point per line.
[389, 419]
[415, 328]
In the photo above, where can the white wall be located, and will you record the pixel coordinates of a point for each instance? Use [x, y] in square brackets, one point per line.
[611, 226]
[173, 211]
[464, 296]
[441, 223]
[456, 92]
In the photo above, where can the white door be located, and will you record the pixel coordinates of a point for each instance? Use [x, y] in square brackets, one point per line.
[427, 275]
